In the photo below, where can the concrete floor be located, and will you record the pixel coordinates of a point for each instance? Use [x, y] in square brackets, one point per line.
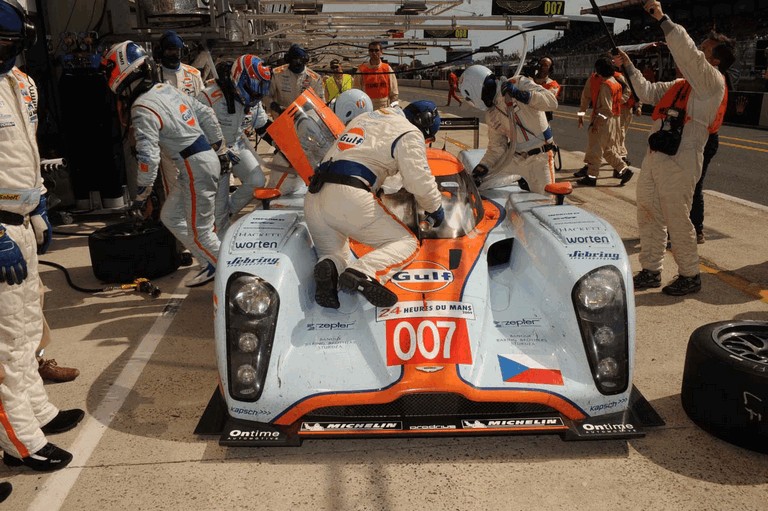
[148, 371]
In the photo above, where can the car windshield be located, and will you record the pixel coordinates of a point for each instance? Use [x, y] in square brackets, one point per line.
[461, 202]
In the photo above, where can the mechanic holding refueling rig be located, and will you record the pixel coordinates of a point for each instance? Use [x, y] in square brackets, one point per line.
[341, 203]
[519, 137]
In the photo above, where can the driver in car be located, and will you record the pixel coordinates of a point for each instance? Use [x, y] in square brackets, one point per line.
[342, 204]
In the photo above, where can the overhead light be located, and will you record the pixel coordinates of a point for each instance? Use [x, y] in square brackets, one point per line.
[306, 8]
[411, 8]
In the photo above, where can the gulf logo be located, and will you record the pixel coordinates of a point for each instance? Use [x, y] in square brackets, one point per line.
[186, 115]
[351, 139]
[423, 277]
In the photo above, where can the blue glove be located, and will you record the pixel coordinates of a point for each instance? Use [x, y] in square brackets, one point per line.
[13, 267]
[42, 226]
[510, 89]
[436, 218]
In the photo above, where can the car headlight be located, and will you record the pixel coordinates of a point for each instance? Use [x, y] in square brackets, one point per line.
[599, 299]
[252, 309]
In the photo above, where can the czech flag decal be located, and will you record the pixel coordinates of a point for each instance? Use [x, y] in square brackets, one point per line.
[521, 368]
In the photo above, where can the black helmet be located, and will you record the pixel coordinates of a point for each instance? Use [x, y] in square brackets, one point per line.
[424, 115]
[15, 28]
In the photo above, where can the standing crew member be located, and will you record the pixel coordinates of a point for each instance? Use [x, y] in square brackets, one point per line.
[519, 137]
[26, 415]
[687, 111]
[542, 77]
[163, 117]
[235, 94]
[453, 87]
[376, 78]
[338, 82]
[288, 82]
[629, 108]
[342, 203]
[606, 96]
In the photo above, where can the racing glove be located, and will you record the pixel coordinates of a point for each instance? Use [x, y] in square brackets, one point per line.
[225, 163]
[13, 267]
[479, 173]
[508, 88]
[41, 225]
[435, 219]
[142, 194]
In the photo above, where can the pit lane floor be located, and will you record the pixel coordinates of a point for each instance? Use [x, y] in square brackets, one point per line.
[147, 372]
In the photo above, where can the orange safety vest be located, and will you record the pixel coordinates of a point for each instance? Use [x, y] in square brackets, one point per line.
[631, 101]
[375, 80]
[595, 81]
[677, 96]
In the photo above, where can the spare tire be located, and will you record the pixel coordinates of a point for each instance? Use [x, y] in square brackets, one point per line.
[135, 249]
[725, 382]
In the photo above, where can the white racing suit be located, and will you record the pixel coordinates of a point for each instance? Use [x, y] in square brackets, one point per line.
[182, 126]
[24, 405]
[248, 170]
[284, 88]
[666, 184]
[189, 81]
[519, 138]
[374, 146]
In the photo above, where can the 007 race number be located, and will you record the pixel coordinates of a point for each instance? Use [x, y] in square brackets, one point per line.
[428, 341]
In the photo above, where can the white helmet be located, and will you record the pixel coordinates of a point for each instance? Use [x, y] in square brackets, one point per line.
[351, 103]
[477, 85]
[122, 64]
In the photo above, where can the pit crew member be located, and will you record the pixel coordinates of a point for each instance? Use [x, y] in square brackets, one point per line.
[342, 203]
[519, 137]
[163, 117]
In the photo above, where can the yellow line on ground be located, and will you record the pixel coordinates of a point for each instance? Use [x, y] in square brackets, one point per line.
[737, 282]
[461, 145]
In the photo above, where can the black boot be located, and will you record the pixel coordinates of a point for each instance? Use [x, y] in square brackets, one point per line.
[683, 286]
[47, 459]
[326, 280]
[64, 421]
[378, 295]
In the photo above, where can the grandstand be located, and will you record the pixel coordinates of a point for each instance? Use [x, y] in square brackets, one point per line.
[744, 20]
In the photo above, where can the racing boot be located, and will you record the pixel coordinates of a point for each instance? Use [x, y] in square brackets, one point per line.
[64, 421]
[47, 459]
[646, 278]
[582, 172]
[326, 283]
[683, 285]
[206, 275]
[372, 290]
[624, 175]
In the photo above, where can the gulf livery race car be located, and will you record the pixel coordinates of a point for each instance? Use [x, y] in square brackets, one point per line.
[517, 316]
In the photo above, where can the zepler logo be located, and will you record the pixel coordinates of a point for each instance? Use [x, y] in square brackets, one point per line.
[423, 277]
[351, 139]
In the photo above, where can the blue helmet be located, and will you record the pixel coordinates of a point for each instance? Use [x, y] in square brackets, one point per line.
[250, 77]
[16, 29]
[424, 115]
[171, 49]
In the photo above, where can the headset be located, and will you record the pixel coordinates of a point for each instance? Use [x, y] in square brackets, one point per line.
[28, 31]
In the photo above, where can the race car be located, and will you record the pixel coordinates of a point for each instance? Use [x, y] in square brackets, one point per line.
[517, 316]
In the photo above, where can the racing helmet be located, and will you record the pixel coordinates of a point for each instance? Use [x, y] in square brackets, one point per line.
[16, 29]
[424, 115]
[351, 103]
[250, 77]
[478, 86]
[125, 63]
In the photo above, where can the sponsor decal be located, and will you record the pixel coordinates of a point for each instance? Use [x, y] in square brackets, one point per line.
[588, 240]
[608, 406]
[186, 115]
[254, 245]
[427, 341]
[429, 369]
[586, 254]
[359, 426]
[434, 426]
[520, 368]
[579, 229]
[531, 339]
[247, 411]
[7, 124]
[254, 434]
[351, 139]
[10, 196]
[338, 325]
[423, 277]
[252, 261]
[607, 429]
[420, 309]
[522, 422]
[517, 322]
